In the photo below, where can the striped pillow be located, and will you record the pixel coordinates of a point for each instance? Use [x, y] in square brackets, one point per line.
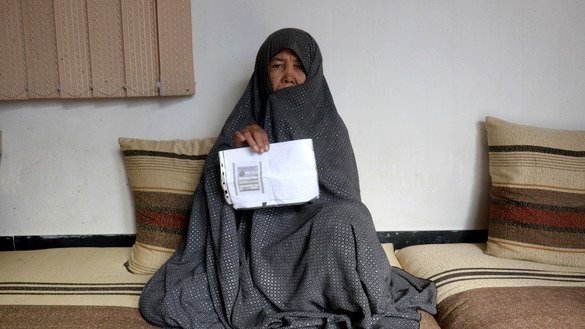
[162, 176]
[538, 193]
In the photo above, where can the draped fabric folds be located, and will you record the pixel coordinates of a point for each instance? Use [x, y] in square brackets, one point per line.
[317, 265]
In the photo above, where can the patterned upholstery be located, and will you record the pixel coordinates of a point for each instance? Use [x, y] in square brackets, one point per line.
[163, 176]
[538, 193]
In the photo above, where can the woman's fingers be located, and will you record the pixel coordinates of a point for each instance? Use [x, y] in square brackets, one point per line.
[239, 139]
[261, 139]
[253, 136]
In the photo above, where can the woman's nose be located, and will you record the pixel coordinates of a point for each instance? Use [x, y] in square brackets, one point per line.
[289, 75]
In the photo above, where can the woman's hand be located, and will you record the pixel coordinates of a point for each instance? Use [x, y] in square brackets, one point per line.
[253, 136]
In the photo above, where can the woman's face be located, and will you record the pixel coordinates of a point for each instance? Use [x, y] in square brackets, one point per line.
[286, 70]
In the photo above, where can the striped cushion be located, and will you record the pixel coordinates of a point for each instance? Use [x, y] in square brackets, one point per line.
[538, 193]
[459, 267]
[162, 176]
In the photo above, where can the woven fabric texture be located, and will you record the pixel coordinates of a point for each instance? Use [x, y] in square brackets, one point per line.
[163, 176]
[538, 193]
[477, 291]
[68, 276]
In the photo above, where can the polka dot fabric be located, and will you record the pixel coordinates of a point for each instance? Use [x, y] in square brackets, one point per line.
[318, 265]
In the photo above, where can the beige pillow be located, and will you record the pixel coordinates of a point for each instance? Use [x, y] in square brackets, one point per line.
[538, 193]
[162, 175]
[390, 254]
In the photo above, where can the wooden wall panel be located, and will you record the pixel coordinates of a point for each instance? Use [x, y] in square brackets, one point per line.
[41, 48]
[106, 48]
[176, 50]
[140, 47]
[73, 48]
[12, 53]
[95, 48]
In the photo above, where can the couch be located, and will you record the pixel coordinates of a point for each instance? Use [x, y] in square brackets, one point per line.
[530, 273]
[81, 288]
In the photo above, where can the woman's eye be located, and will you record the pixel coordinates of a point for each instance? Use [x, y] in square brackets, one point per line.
[300, 67]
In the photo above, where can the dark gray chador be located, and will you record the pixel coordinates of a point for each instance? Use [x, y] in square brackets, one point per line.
[317, 265]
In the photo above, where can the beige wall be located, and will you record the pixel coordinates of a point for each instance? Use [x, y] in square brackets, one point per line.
[412, 79]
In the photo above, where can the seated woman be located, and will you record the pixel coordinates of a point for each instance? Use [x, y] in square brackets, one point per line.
[317, 265]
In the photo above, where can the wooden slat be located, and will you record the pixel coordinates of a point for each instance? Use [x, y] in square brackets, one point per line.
[95, 48]
[41, 48]
[12, 64]
[176, 51]
[140, 47]
[73, 48]
[107, 49]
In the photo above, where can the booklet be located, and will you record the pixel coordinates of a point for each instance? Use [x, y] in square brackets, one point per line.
[285, 175]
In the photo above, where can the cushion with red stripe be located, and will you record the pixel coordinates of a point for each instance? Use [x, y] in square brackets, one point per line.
[538, 193]
[162, 175]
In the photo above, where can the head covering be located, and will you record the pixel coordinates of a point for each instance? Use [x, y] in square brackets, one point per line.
[310, 265]
[302, 111]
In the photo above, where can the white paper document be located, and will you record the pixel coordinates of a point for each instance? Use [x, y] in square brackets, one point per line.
[285, 175]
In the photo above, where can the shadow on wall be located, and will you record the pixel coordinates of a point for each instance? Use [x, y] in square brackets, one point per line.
[479, 208]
